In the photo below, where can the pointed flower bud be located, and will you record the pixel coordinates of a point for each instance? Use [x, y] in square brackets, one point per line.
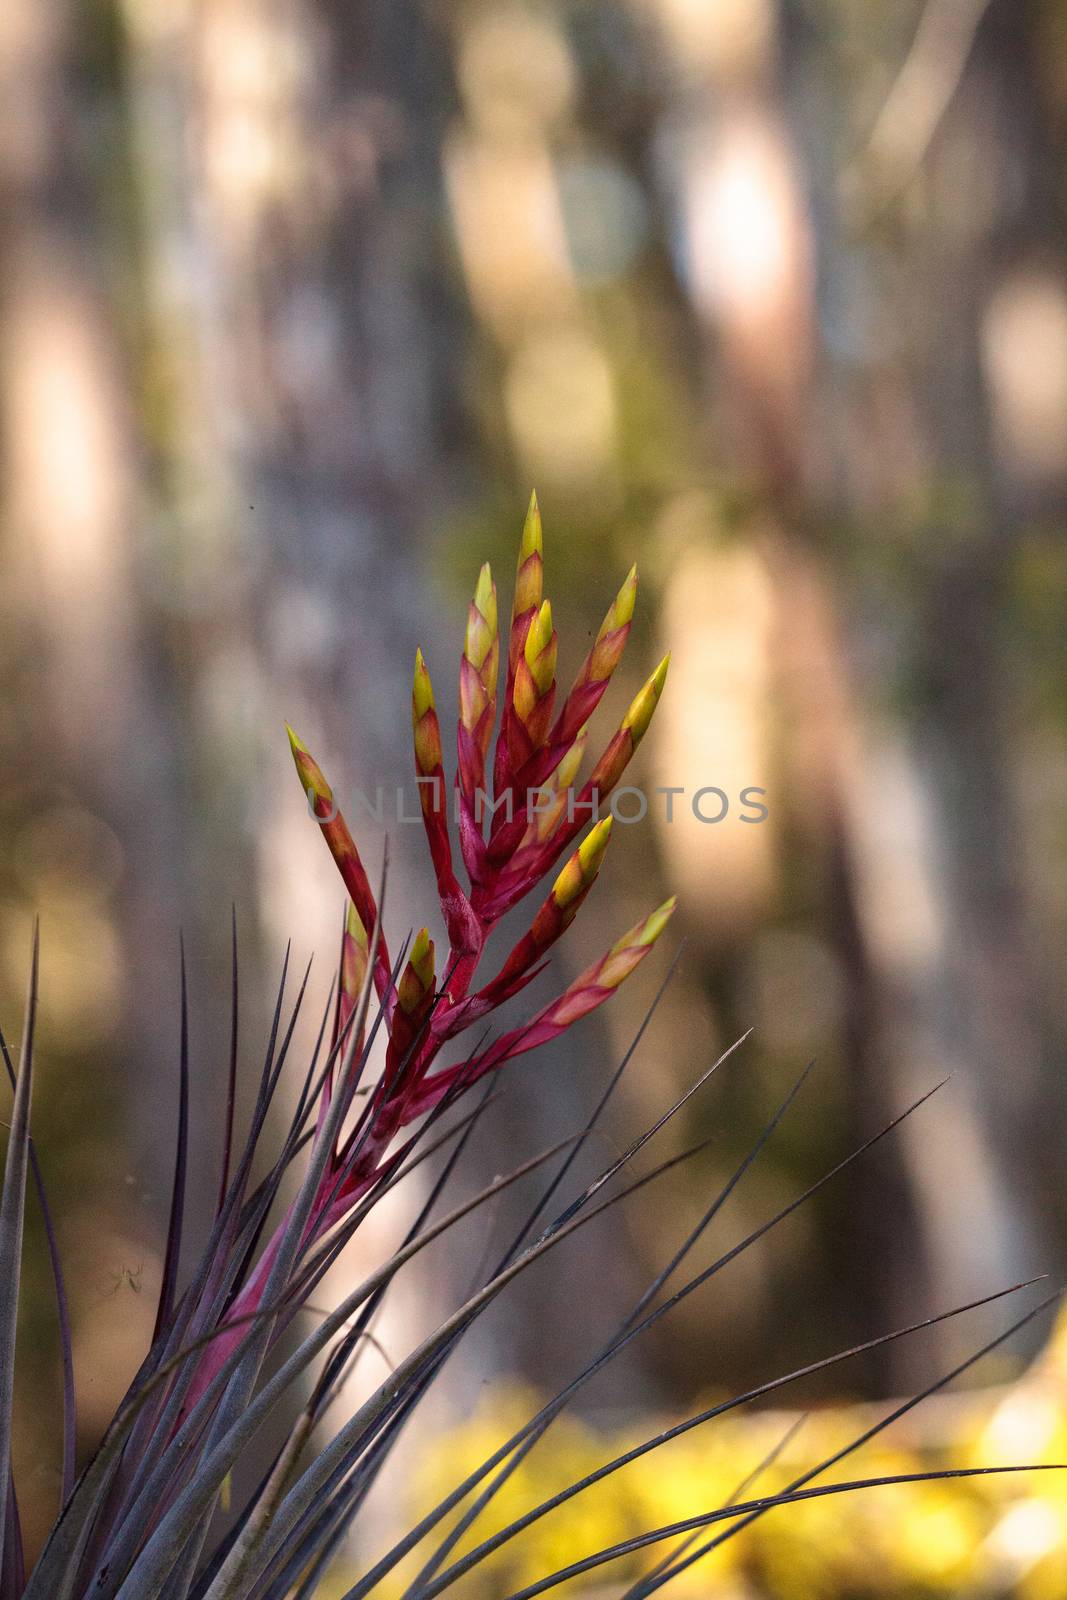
[342, 848]
[529, 583]
[424, 723]
[632, 729]
[599, 665]
[608, 646]
[598, 982]
[535, 689]
[578, 875]
[416, 980]
[567, 771]
[621, 610]
[626, 952]
[529, 575]
[481, 633]
[540, 649]
[311, 776]
[543, 806]
[560, 909]
[414, 999]
[477, 685]
[559, 782]
[462, 928]
[642, 707]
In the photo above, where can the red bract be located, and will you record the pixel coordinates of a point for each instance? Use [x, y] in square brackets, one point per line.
[510, 840]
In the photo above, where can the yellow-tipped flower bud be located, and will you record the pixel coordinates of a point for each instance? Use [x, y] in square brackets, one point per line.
[416, 982]
[622, 607]
[540, 649]
[626, 952]
[649, 931]
[592, 848]
[421, 957]
[421, 689]
[424, 722]
[638, 717]
[530, 573]
[308, 770]
[583, 866]
[610, 641]
[532, 540]
[482, 621]
[567, 770]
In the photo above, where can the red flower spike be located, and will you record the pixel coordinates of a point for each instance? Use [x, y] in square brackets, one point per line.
[519, 853]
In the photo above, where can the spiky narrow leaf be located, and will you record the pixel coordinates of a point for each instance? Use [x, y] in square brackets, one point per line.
[12, 1218]
[177, 1200]
[231, 1076]
[644, 1541]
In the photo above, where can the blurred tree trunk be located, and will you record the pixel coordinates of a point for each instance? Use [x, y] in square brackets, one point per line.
[92, 802]
[922, 807]
[987, 208]
[907, 451]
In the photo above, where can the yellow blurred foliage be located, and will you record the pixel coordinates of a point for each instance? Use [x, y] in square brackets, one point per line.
[1001, 1537]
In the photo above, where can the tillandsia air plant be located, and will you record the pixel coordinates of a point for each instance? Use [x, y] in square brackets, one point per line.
[150, 1514]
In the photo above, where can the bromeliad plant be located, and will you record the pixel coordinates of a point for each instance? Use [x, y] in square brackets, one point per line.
[149, 1516]
[535, 817]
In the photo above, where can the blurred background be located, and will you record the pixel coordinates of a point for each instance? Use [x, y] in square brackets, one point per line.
[300, 298]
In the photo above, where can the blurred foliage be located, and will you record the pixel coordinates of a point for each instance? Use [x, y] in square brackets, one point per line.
[1001, 1537]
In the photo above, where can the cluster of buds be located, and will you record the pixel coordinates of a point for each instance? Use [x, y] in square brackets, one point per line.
[424, 1007]
[504, 855]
